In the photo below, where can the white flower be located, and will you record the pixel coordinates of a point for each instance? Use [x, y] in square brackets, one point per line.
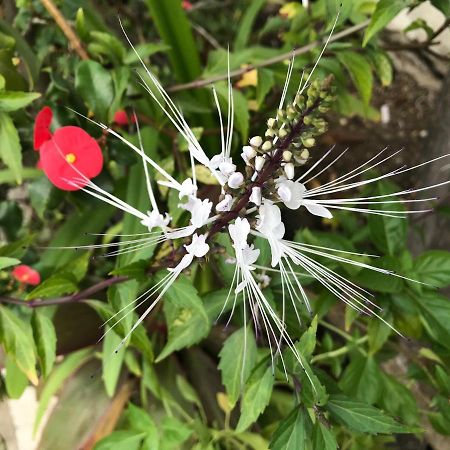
[239, 231]
[256, 196]
[235, 180]
[198, 247]
[200, 211]
[187, 188]
[225, 204]
[248, 153]
[154, 219]
[224, 164]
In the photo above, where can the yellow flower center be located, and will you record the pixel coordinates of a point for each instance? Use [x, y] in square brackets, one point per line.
[71, 158]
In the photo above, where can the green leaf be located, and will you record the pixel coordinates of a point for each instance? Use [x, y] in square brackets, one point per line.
[378, 333]
[45, 338]
[442, 5]
[385, 11]
[186, 318]
[17, 248]
[8, 262]
[94, 84]
[360, 71]
[388, 233]
[112, 360]
[293, 433]
[383, 66]
[10, 149]
[144, 51]
[435, 314]
[77, 267]
[121, 440]
[134, 270]
[362, 379]
[323, 438]
[246, 23]
[15, 380]
[40, 191]
[362, 418]
[7, 176]
[18, 342]
[174, 433]
[61, 372]
[56, 285]
[139, 419]
[266, 80]
[256, 397]
[237, 359]
[308, 340]
[14, 100]
[433, 267]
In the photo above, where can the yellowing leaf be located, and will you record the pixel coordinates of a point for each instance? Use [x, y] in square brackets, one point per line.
[249, 78]
[290, 10]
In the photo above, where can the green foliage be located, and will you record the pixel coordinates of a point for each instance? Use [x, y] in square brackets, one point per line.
[182, 380]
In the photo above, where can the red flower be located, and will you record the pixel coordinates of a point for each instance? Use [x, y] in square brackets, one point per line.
[186, 5]
[121, 118]
[42, 127]
[26, 275]
[70, 154]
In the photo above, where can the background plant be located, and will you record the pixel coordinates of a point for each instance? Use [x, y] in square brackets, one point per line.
[178, 382]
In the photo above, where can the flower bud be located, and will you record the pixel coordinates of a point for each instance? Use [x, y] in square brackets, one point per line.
[266, 146]
[269, 133]
[249, 152]
[236, 179]
[259, 163]
[256, 196]
[225, 204]
[282, 133]
[256, 141]
[289, 171]
[309, 142]
[271, 122]
[287, 155]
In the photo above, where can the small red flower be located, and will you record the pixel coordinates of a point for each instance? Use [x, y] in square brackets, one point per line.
[121, 118]
[26, 275]
[70, 154]
[42, 127]
[186, 5]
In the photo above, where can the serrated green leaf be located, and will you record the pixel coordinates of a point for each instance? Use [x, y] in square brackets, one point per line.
[55, 285]
[323, 438]
[433, 267]
[18, 342]
[45, 338]
[14, 100]
[186, 318]
[10, 148]
[256, 398]
[385, 11]
[121, 440]
[363, 418]
[293, 433]
[237, 359]
[174, 433]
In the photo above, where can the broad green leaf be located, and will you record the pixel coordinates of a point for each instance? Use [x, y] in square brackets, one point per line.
[323, 438]
[442, 5]
[17, 248]
[112, 360]
[45, 338]
[385, 11]
[388, 233]
[61, 372]
[379, 282]
[360, 71]
[362, 418]
[294, 432]
[378, 333]
[77, 267]
[18, 342]
[433, 267]
[106, 44]
[134, 270]
[435, 314]
[15, 380]
[10, 149]
[40, 191]
[362, 379]
[14, 100]
[266, 80]
[237, 358]
[56, 285]
[8, 262]
[246, 23]
[256, 397]
[185, 316]
[307, 342]
[139, 419]
[121, 440]
[7, 176]
[94, 84]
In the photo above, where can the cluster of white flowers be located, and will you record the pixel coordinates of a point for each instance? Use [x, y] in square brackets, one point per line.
[249, 207]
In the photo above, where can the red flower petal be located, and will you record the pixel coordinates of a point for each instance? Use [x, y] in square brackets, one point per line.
[25, 274]
[42, 127]
[186, 5]
[70, 152]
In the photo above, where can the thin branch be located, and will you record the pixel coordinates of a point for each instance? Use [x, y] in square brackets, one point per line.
[268, 62]
[62, 23]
